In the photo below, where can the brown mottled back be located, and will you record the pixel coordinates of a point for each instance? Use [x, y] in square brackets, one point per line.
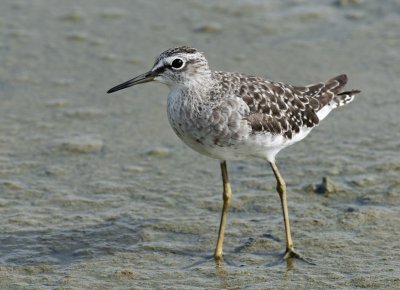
[279, 108]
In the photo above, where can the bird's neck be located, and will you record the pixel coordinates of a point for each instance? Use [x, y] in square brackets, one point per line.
[196, 89]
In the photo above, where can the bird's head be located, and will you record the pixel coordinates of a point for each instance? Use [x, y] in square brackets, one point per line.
[181, 66]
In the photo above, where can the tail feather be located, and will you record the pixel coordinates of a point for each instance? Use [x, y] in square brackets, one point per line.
[335, 85]
[325, 93]
[333, 97]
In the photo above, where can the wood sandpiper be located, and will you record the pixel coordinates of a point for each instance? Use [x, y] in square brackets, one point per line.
[233, 116]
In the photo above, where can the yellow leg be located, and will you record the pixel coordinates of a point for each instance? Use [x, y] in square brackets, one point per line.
[227, 193]
[281, 188]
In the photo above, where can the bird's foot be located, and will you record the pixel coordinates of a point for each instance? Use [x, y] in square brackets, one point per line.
[291, 253]
[219, 260]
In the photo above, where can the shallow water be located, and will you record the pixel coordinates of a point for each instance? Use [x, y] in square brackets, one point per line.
[96, 192]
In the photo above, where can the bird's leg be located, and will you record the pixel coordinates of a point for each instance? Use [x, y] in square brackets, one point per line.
[281, 188]
[227, 193]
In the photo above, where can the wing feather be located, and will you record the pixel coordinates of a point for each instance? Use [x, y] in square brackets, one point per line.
[280, 108]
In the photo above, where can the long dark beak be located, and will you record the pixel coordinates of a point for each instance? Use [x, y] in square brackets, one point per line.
[144, 78]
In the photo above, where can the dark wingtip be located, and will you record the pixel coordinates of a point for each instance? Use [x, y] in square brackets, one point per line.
[342, 79]
[351, 93]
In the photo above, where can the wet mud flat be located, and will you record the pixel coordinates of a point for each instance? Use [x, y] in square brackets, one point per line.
[96, 191]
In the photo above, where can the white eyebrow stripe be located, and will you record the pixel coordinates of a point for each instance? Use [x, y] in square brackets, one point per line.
[167, 60]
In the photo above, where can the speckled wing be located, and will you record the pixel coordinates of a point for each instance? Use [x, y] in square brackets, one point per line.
[283, 109]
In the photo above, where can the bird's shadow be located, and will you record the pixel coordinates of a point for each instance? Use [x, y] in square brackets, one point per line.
[277, 258]
[229, 261]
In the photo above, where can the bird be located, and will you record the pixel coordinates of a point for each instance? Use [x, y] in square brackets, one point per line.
[234, 116]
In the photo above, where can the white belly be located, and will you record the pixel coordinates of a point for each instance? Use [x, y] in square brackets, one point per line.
[264, 146]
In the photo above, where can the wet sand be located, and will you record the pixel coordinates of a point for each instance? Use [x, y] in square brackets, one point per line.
[96, 191]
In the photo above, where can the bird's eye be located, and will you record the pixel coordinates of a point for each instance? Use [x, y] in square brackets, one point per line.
[177, 63]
